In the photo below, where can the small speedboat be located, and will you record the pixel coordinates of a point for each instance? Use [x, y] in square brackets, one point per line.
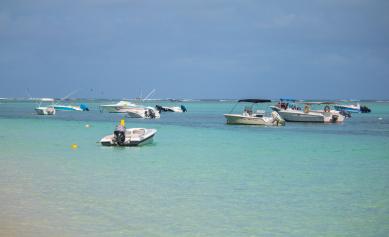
[175, 109]
[350, 108]
[129, 137]
[82, 107]
[132, 110]
[45, 109]
[41, 110]
[120, 107]
[143, 112]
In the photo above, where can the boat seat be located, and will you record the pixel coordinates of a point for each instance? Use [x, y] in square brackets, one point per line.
[139, 132]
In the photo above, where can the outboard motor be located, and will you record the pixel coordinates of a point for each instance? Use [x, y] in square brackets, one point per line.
[277, 118]
[365, 109]
[159, 108]
[334, 118]
[345, 113]
[183, 108]
[84, 107]
[120, 135]
[151, 113]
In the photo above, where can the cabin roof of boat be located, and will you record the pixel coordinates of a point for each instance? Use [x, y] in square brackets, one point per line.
[255, 100]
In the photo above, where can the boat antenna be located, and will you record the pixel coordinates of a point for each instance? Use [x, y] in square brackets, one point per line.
[30, 97]
[28, 93]
[70, 94]
[234, 106]
[148, 96]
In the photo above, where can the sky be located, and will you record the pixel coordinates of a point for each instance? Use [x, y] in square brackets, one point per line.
[332, 49]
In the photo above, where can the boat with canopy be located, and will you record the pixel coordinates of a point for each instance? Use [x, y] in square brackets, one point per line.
[251, 117]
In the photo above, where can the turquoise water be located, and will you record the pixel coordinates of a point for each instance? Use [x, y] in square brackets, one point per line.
[200, 177]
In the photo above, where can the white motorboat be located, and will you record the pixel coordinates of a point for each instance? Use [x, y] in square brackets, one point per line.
[120, 107]
[132, 110]
[81, 107]
[143, 112]
[66, 107]
[248, 117]
[42, 110]
[292, 113]
[45, 110]
[349, 108]
[132, 137]
[175, 109]
[129, 137]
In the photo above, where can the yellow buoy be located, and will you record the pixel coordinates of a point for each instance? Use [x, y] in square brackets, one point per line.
[74, 146]
[123, 123]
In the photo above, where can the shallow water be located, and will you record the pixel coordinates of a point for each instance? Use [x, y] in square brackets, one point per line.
[200, 177]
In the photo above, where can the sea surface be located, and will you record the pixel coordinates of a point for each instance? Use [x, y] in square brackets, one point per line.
[200, 177]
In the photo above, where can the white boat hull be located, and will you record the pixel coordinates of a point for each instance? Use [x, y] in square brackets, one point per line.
[349, 108]
[311, 117]
[143, 113]
[45, 110]
[250, 120]
[176, 109]
[111, 109]
[119, 107]
[133, 137]
[67, 108]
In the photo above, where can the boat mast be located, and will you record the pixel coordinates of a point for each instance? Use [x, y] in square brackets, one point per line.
[148, 96]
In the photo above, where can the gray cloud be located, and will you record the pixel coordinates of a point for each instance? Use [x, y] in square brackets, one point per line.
[149, 43]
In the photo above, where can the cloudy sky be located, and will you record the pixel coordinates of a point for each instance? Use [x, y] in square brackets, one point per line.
[195, 49]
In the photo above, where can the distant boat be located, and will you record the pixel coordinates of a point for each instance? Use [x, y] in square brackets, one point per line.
[43, 99]
[45, 110]
[42, 110]
[176, 109]
[143, 112]
[249, 117]
[47, 99]
[120, 107]
[131, 109]
[350, 100]
[189, 100]
[174, 100]
[81, 107]
[350, 108]
[64, 107]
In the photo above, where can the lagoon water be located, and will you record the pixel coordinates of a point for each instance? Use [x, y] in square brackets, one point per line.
[200, 177]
